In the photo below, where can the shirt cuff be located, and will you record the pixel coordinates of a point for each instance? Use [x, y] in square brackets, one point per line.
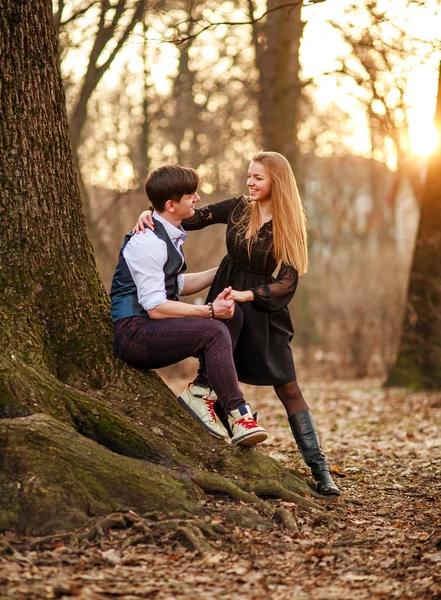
[150, 301]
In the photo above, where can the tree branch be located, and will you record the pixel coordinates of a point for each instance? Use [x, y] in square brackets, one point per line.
[251, 21]
[135, 18]
[77, 14]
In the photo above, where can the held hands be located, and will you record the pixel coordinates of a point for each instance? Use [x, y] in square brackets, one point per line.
[145, 219]
[223, 308]
[224, 304]
[240, 296]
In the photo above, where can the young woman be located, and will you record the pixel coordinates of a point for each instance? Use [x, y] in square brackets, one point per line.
[265, 232]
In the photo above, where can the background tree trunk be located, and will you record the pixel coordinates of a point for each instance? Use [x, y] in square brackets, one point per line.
[418, 363]
[277, 44]
[109, 436]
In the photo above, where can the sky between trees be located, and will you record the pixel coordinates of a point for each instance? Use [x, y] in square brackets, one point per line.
[340, 41]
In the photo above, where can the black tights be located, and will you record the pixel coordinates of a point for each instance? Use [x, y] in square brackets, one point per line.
[291, 397]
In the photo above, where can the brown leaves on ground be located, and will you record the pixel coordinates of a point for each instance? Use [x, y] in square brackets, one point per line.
[381, 539]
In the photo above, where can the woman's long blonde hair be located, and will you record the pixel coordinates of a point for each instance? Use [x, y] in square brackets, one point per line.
[290, 244]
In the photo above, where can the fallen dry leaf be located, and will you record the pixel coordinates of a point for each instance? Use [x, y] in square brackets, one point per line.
[381, 539]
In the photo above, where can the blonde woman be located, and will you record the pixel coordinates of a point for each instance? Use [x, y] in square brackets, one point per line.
[266, 232]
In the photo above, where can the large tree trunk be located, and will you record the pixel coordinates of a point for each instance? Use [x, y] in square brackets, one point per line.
[277, 43]
[81, 433]
[418, 363]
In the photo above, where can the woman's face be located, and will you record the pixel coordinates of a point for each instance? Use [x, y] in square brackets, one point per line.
[259, 182]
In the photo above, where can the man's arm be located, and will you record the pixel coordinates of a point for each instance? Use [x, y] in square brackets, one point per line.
[171, 309]
[223, 309]
[146, 256]
[195, 282]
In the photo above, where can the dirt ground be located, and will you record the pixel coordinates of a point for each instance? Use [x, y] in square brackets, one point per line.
[381, 539]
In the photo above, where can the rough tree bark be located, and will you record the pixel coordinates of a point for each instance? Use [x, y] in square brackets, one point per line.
[418, 363]
[277, 43]
[81, 433]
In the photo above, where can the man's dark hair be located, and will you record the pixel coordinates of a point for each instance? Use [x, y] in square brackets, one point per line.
[170, 182]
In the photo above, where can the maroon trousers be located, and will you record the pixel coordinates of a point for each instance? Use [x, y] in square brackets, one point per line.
[155, 343]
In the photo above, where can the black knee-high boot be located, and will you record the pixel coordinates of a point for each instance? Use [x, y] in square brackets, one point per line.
[305, 434]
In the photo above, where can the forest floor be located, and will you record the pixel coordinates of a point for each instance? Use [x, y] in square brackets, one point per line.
[380, 540]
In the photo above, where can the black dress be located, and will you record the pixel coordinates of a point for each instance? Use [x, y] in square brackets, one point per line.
[263, 355]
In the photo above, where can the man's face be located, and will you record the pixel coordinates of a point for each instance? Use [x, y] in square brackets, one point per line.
[184, 209]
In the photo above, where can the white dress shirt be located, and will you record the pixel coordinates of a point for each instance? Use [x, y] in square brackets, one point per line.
[146, 255]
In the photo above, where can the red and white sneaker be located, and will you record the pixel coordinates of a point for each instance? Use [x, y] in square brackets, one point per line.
[245, 430]
[198, 401]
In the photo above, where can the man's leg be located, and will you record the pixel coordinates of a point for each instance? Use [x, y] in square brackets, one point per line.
[234, 326]
[201, 385]
[153, 344]
[148, 343]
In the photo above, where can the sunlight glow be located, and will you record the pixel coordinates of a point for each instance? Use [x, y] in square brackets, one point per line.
[424, 138]
[339, 123]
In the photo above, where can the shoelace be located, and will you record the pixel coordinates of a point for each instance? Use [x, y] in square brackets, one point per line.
[210, 406]
[246, 422]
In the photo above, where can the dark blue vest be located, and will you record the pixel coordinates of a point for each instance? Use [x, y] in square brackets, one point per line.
[123, 293]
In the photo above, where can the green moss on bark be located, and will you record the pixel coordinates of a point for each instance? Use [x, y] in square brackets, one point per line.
[10, 407]
[54, 479]
[408, 372]
[25, 390]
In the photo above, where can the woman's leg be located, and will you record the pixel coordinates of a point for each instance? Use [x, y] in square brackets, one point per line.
[291, 397]
[305, 434]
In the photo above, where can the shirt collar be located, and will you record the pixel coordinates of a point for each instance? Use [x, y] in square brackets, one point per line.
[174, 233]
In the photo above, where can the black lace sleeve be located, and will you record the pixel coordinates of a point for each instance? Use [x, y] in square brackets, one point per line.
[276, 295]
[211, 214]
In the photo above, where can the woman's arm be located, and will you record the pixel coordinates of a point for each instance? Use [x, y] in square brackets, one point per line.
[203, 217]
[241, 296]
[211, 214]
[145, 220]
[272, 296]
[278, 294]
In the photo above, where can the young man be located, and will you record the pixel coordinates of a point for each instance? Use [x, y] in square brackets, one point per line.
[153, 329]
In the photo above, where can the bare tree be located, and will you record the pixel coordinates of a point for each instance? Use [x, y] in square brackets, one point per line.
[277, 43]
[115, 21]
[418, 363]
[380, 58]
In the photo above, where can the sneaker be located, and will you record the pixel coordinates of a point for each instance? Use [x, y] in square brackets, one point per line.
[246, 431]
[198, 401]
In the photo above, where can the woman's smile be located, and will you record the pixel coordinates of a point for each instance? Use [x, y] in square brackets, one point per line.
[259, 182]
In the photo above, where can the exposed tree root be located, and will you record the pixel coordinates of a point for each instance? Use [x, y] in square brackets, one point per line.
[193, 538]
[26, 390]
[285, 518]
[275, 489]
[53, 479]
[215, 483]
[87, 458]
[196, 535]
[247, 517]
[193, 534]
[250, 491]
[48, 540]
